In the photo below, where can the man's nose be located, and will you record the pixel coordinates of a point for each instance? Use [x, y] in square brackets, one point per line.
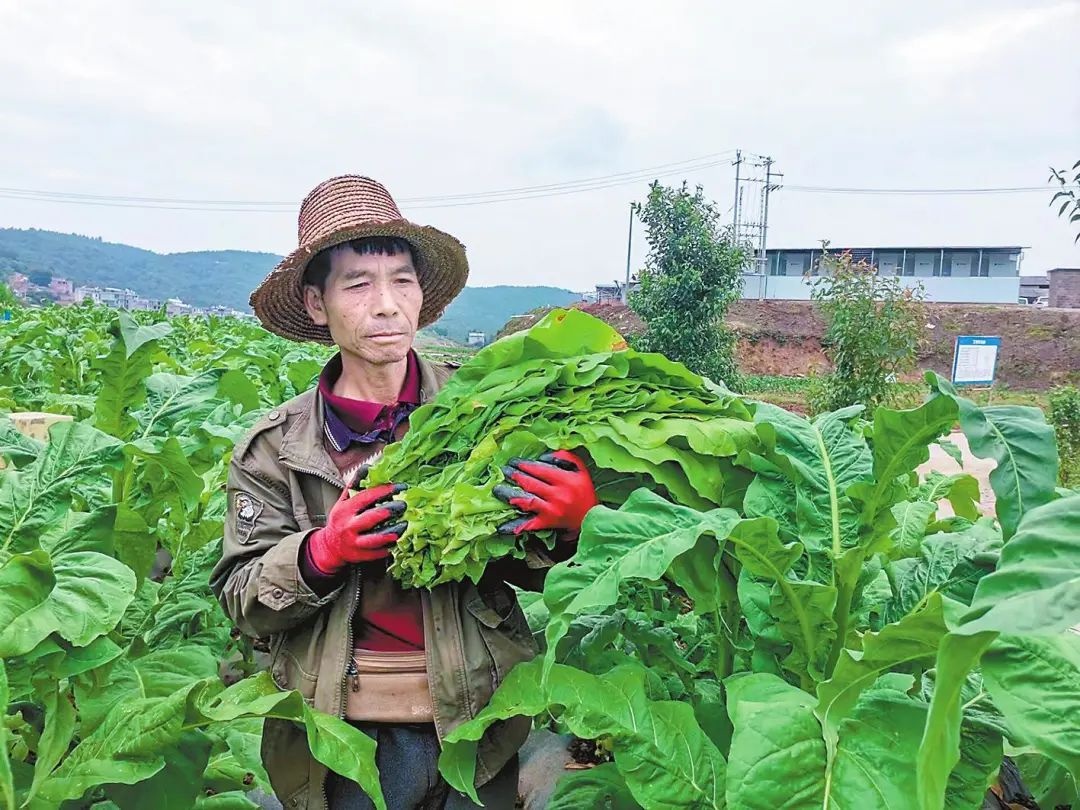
[385, 300]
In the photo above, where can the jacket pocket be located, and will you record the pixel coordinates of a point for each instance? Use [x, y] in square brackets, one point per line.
[505, 634]
[287, 672]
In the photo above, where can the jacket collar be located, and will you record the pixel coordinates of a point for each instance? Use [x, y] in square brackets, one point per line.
[302, 445]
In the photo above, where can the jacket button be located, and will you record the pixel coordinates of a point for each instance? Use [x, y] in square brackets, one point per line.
[277, 593]
[273, 416]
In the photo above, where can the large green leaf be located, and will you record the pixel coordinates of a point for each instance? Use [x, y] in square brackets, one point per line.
[127, 748]
[934, 569]
[639, 541]
[960, 489]
[912, 518]
[7, 782]
[176, 403]
[131, 744]
[175, 786]
[36, 497]
[1035, 683]
[25, 582]
[777, 757]
[939, 751]
[661, 751]
[599, 788]
[910, 645]
[157, 674]
[333, 742]
[1022, 444]
[823, 458]
[902, 438]
[1036, 587]
[123, 372]
[90, 594]
[56, 736]
[171, 474]
[17, 448]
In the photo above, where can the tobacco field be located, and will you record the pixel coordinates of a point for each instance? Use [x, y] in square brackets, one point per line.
[767, 611]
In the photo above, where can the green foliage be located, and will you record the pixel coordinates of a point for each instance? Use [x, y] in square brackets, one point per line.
[7, 298]
[1067, 198]
[873, 328]
[567, 383]
[692, 274]
[767, 611]
[816, 642]
[1065, 417]
[109, 680]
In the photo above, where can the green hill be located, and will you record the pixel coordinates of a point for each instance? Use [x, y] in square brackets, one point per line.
[226, 277]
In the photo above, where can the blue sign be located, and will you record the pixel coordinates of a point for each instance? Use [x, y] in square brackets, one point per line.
[975, 360]
[7, 315]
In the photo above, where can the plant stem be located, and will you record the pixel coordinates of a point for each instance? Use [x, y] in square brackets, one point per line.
[725, 653]
[845, 593]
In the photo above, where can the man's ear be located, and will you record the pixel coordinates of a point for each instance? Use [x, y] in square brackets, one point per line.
[315, 305]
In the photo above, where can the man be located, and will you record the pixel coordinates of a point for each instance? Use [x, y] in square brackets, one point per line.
[304, 560]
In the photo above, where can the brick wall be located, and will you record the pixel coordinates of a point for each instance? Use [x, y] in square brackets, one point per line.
[1065, 287]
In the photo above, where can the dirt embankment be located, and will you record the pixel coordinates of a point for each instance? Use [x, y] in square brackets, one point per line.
[1040, 347]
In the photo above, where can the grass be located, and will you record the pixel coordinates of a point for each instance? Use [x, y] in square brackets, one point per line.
[791, 393]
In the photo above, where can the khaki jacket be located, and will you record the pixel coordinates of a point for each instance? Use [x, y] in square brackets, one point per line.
[281, 485]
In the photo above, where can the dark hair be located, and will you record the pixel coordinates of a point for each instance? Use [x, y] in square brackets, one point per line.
[318, 269]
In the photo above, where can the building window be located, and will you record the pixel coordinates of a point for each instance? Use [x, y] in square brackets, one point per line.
[923, 265]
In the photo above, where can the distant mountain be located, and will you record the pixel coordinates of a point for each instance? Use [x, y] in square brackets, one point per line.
[227, 277]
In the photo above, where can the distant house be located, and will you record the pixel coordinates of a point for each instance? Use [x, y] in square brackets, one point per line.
[174, 307]
[609, 293]
[1032, 288]
[19, 284]
[476, 339]
[975, 275]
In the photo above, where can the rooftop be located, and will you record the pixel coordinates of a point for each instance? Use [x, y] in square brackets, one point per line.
[839, 249]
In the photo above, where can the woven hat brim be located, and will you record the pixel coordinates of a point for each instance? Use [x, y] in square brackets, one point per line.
[442, 270]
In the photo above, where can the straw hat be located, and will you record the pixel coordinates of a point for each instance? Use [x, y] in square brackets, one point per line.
[339, 210]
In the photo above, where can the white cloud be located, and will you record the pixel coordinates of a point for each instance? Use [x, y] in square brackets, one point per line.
[252, 100]
[969, 44]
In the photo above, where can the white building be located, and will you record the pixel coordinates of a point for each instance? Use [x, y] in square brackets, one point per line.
[968, 275]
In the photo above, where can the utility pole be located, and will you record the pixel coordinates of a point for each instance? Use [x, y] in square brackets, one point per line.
[629, 243]
[769, 187]
[735, 208]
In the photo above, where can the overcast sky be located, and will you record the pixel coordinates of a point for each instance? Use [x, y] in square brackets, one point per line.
[260, 101]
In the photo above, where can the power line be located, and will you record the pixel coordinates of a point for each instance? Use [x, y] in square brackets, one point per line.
[253, 208]
[915, 191]
[466, 199]
[496, 195]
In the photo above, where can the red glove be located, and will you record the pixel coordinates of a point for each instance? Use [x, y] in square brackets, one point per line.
[354, 531]
[554, 492]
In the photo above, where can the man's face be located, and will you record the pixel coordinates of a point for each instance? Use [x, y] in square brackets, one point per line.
[371, 304]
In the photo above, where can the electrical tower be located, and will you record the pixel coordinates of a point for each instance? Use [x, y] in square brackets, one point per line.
[755, 180]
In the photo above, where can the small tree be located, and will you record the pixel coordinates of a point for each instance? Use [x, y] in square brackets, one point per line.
[1068, 194]
[7, 297]
[1065, 417]
[692, 274]
[874, 324]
